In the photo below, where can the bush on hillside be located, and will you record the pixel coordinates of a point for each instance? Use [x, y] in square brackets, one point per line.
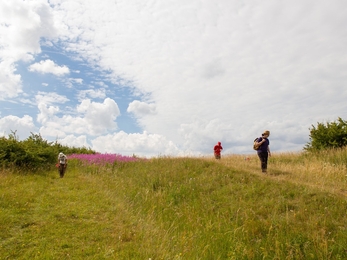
[34, 152]
[328, 135]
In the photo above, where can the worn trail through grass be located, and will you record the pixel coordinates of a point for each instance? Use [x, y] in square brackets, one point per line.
[173, 208]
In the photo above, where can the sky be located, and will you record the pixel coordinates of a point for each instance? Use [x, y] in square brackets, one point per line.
[174, 77]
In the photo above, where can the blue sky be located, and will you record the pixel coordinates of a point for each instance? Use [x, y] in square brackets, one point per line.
[172, 77]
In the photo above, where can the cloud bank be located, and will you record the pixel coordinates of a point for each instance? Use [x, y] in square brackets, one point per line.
[204, 71]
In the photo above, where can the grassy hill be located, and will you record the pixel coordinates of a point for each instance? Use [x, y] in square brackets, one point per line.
[179, 208]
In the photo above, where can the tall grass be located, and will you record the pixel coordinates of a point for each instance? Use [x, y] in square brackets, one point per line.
[178, 208]
[325, 170]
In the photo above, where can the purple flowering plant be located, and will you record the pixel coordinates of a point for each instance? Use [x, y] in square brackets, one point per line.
[102, 159]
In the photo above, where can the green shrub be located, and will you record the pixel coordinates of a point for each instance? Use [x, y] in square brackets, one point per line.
[33, 153]
[329, 135]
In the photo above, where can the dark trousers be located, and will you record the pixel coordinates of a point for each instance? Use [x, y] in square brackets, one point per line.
[217, 155]
[263, 156]
[62, 169]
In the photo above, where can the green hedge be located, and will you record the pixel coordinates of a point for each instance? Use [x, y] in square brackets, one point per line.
[34, 152]
[329, 135]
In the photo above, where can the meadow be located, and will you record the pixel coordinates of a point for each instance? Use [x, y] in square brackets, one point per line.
[178, 208]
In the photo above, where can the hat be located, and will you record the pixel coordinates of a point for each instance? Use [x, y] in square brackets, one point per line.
[266, 132]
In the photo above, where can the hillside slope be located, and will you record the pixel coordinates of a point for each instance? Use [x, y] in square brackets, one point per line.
[171, 208]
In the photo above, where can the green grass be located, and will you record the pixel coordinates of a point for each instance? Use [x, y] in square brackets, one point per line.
[177, 208]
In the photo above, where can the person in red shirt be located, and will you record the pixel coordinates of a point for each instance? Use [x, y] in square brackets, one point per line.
[217, 149]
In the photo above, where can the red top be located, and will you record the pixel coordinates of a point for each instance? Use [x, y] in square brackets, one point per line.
[217, 148]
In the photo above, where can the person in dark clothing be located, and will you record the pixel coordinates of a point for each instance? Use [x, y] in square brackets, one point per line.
[264, 150]
[217, 150]
[62, 162]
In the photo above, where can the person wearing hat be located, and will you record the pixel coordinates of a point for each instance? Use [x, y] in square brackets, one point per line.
[62, 163]
[264, 150]
[217, 150]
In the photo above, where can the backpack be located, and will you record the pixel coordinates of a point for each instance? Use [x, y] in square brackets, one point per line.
[256, 146]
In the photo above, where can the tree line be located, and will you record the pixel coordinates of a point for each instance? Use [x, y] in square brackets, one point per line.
[36, 152]
[33, 152]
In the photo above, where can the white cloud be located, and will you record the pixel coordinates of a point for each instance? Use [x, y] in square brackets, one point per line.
[208, 70]
[44, 101]
[92, 93]
[47, 113]
[218, 70]
[10, 83]
[100, 116]
[143, 144]
[139, 108]
[78, 81]
[21, 126]
[74, 141]
[90, 118]
[48, 66]
[22, 24]
[50, 98]
[71, 82]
